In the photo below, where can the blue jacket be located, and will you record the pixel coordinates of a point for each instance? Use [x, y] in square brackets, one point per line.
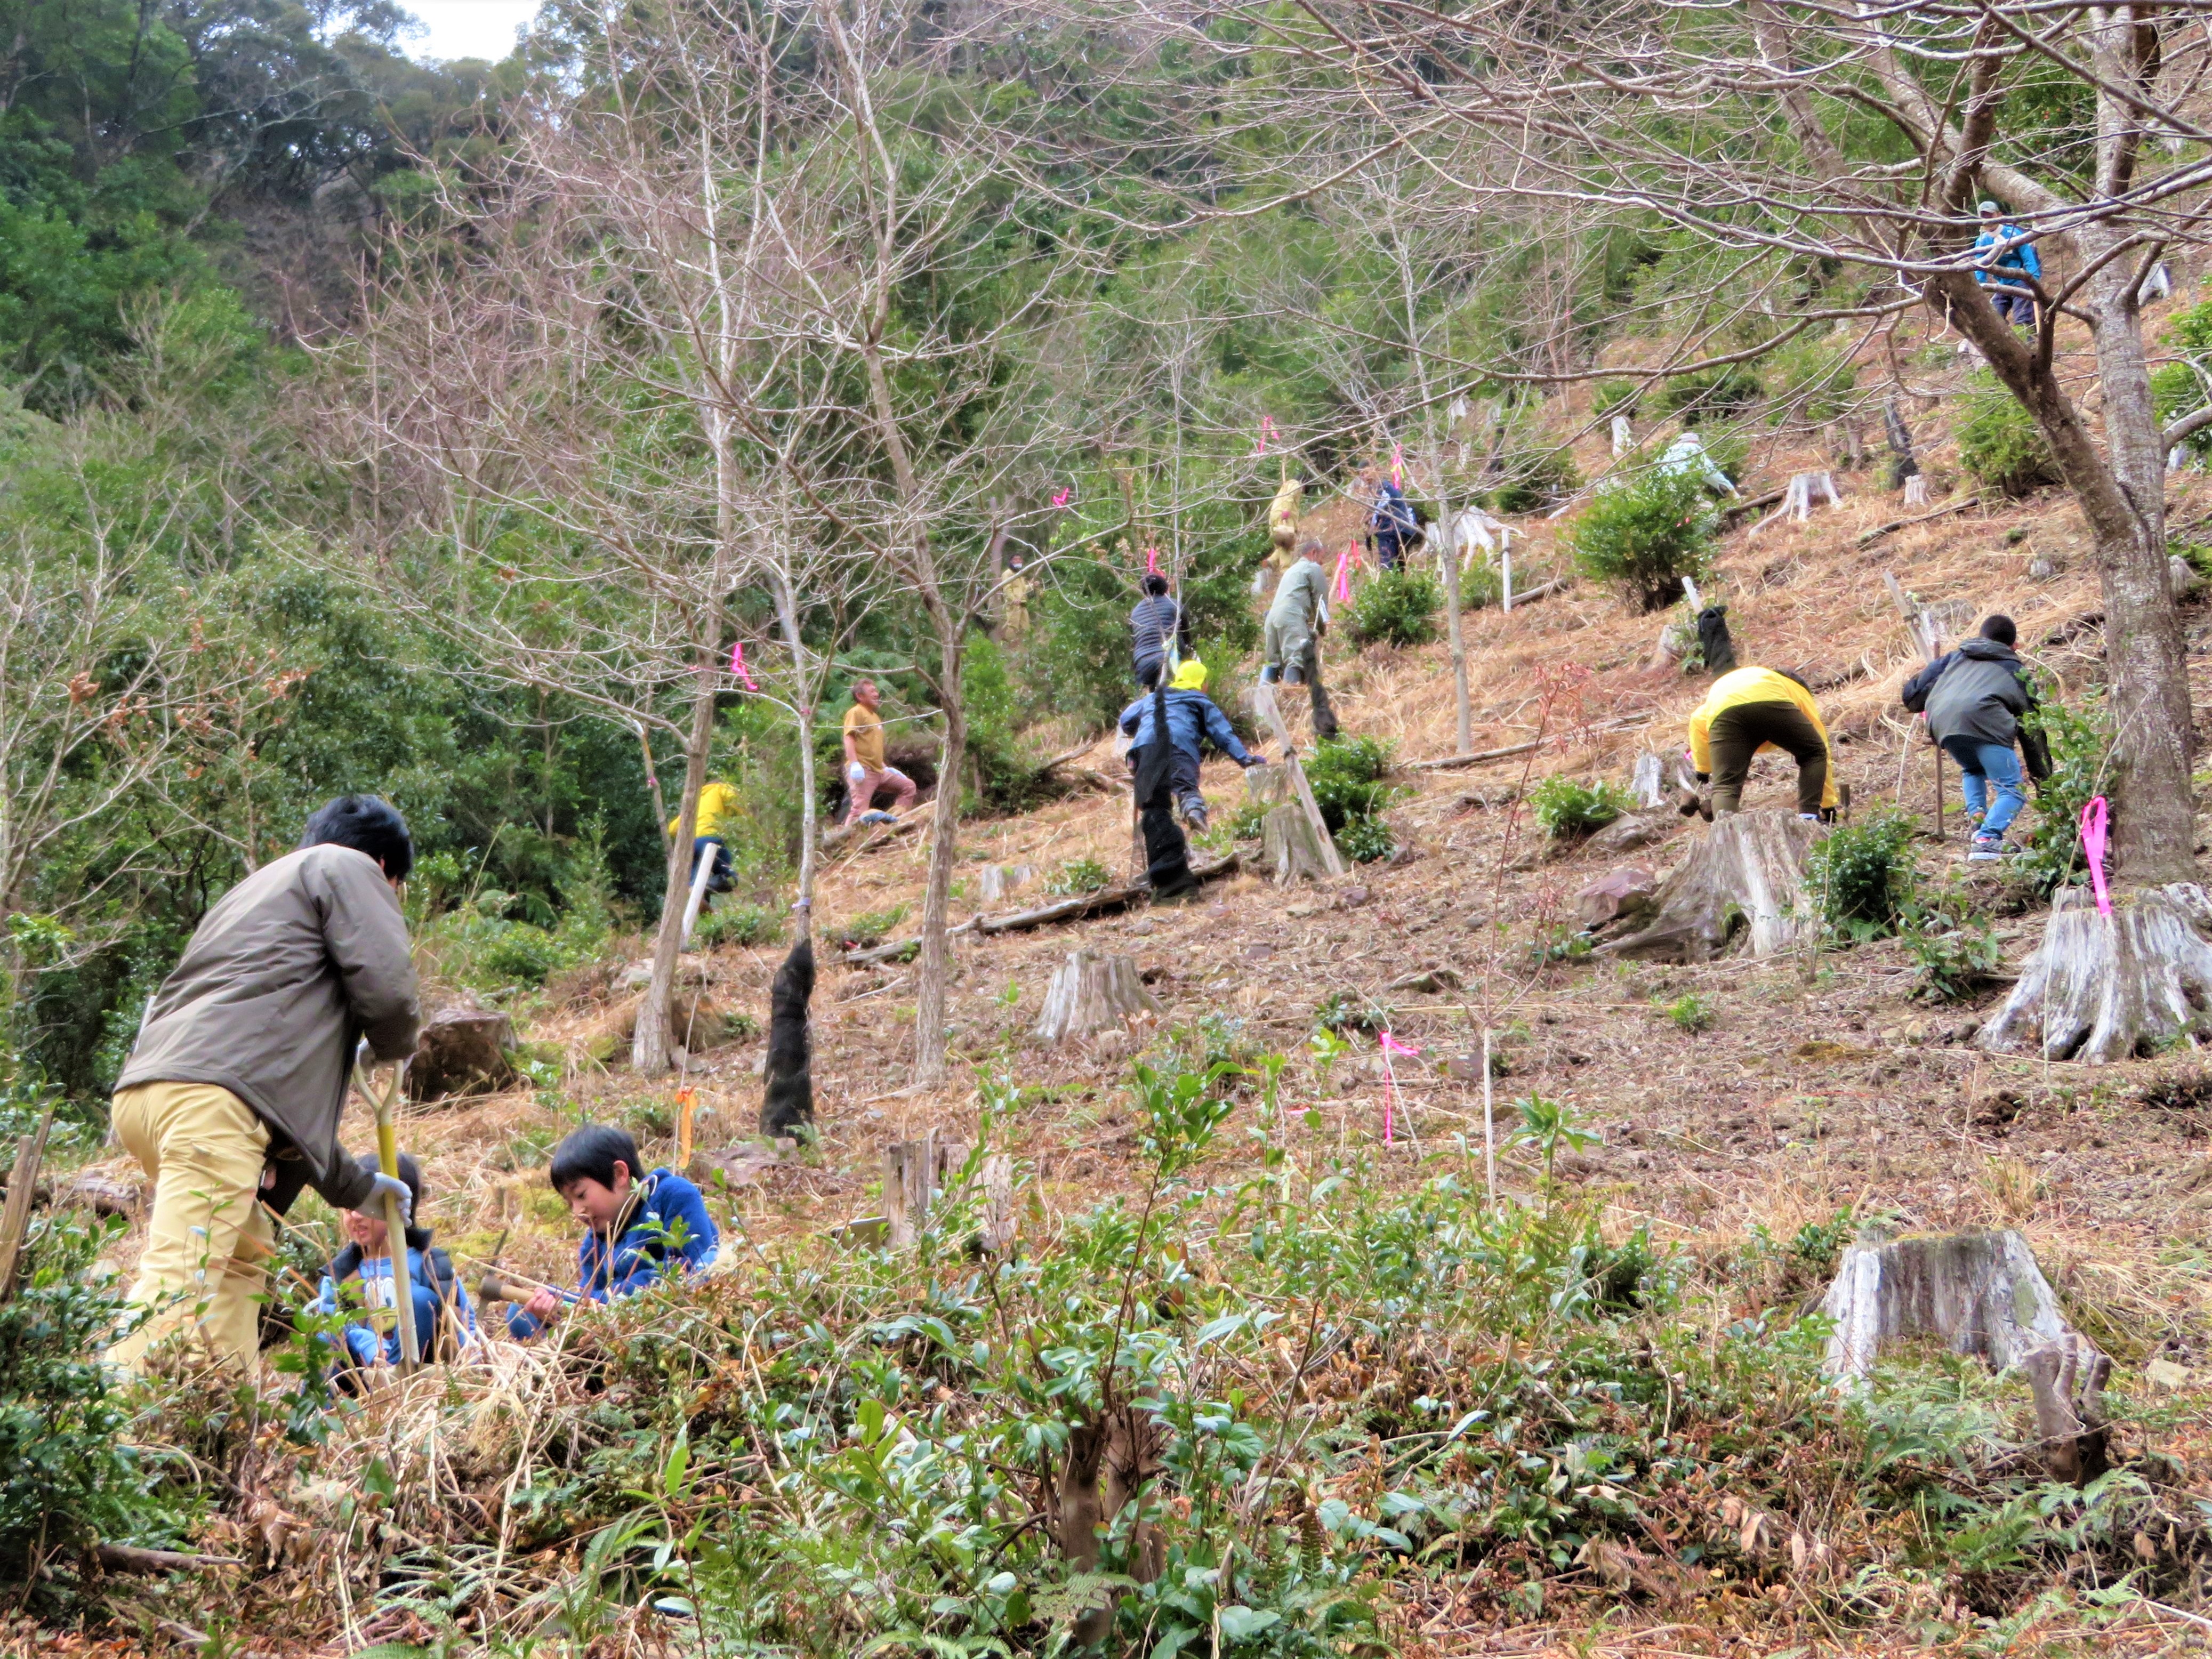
[2016, 259]
[374, 1275]
[1392, 518]
[1191, 715]
[668, 1222]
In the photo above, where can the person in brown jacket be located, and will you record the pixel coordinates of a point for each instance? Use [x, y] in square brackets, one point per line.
[234, 1087]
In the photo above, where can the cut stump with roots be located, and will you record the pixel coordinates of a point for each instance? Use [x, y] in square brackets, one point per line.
[2102, 988]
[1746, 875]
[1091, 993]
[1983, 1294]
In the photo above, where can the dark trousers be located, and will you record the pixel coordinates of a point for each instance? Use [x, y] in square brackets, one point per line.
[1149, 670]
[1167, 854]
[2014, 306]
[1736, 736]
[1389, 551]
[1183, 776]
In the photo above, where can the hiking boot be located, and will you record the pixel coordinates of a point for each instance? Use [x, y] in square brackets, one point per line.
[1193, 818]
[1988, 849]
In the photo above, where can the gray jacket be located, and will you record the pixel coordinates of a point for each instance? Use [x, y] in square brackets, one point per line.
[1302, 599]
[1977, 692]
[292, 967]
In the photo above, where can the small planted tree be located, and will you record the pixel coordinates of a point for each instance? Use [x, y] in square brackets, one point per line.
[1644, 537]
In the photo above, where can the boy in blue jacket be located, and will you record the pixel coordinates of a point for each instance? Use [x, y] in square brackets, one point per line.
[2004, 274]
[1193, 717]
[360, 1277]
[637, 1228]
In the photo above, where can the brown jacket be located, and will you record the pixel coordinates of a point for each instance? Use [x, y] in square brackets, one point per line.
[292, 967]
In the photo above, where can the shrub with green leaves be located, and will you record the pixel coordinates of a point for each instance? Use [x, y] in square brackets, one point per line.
[1568, 807]
[1726, 393]
[1346, 777]
[1863, 876]
[1535, 474]
[1691, 1013]
[871, 927]
[739, 924]
[1365, 841]
[1615, 396]
[2080, 743]
[1953, 947]
[1074, 875]
[1999, 442]
[1646, 535]
[1481, 584]
[1398, 607]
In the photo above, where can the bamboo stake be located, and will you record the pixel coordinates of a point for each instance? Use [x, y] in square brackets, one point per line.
[1489, 1126]
[22, 1187]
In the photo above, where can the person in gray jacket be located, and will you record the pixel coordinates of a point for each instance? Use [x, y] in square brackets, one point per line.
[1974, 698]
[1296, 622]
[233, 1092]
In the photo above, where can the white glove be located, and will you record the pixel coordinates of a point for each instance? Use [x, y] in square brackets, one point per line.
[389, 1187]
[855, 772]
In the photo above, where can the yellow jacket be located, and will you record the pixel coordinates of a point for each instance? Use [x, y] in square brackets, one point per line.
[718, 811]
[1743, 685]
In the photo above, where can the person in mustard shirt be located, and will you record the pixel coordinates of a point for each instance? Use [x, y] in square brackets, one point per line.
[719, 813]
[1756, 708]
[865, 769]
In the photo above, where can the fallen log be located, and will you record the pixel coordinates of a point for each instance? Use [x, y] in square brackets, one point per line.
[1735, 510]
[1451, 762]
[1076, 753]
[1096, 902]
[897, 950]
[1881, 530]
[832, 839]
[129, 1558]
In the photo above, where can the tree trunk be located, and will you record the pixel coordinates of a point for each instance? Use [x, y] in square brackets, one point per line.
[1091, 993]
[648, 1048]
[1746, 875]
[1110, 1460]
[934, 972]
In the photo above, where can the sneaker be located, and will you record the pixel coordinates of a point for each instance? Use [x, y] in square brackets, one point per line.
[1987, 849]
[1810, 817]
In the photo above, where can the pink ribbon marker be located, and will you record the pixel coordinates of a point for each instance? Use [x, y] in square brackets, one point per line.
[2095, 817]
[1152, 561]
[1398, 464]
[737, 665]
[1344, 577]
[1267, 431]
[1391, 1046]
[1059, 497]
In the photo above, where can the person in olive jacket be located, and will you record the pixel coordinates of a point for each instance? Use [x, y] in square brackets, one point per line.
[1974, 698]
[233, 1092]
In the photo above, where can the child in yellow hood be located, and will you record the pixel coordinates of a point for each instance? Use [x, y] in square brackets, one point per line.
[1755, 708]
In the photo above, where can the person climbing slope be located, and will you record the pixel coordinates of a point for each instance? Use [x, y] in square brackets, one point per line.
[1390, 517]
[865, 769]
[1756, 708]
[2006, 275]
[1974, 698]
[1158, 629]
[719, 811]
[1296, 622]
[1193, 718]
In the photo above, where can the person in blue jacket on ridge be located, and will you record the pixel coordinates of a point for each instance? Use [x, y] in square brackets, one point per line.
[1193, 717]
[2001, 273]
[637, 1228]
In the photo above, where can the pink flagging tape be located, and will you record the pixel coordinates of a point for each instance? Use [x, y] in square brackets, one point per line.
[2095, 816]
[738, 665]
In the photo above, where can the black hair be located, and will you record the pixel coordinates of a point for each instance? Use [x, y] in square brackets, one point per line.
[368, 825]
[1797, 679]
[1999, 628]
[411, 1173]
[1156, 584]
[591, 1154]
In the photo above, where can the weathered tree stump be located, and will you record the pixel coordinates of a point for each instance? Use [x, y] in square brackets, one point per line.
[1290, 846]
[1093, 993]
[1746, 875]
[464, 1050]
[1649, 781]
[913, 1172]
[1266, 786]
[2104, 988]
[1629, 833]
[1983, 1294]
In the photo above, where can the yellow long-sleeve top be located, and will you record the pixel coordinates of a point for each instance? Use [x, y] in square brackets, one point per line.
[1744, 685]
[717, 808]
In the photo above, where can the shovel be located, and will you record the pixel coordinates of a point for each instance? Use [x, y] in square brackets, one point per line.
[395, 1224]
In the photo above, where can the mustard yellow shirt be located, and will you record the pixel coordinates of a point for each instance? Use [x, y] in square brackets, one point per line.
[1743, 685]
[867, 731]
[718, 811]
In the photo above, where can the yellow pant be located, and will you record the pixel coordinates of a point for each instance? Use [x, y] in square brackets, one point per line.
[208, 1238]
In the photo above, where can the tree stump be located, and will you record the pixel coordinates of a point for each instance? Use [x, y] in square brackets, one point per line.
[1000, 881]
[1746, 875]
[914, 1170]
[1615, 895]
[1266, 786]
[463, 1050]
[1290, 846]
[1649, 781]
[1093, 993]
[1983, 1294]
[2102, 988]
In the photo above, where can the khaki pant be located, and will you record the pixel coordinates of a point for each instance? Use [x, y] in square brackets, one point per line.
[1738, 733]
[208, 1238]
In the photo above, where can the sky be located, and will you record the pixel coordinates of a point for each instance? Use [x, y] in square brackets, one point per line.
[467, 28]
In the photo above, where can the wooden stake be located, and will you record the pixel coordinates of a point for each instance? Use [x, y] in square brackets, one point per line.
[1939, 835]
[1263, 699]
[1489, 1126]
[22, 1186]
[700, 876]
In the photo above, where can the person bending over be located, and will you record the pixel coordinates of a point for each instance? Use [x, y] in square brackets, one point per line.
[1752, 710]
[1194, 719]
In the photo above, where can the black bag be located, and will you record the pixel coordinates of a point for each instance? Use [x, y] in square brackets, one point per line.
[1714, 641]
[789, 1100]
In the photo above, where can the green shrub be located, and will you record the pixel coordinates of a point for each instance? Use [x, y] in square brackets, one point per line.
[1999, 443]
[1480, 584]
[739, 924]
[1364, 841]
[2080, 740]
[2179, 389]
[1863, 874]
[1567, 807]
[1075, 876]
[871, 927]
[1345, 775]
[1726, 393]
[1954, 948]
[1345, 1012]
[1246, 823]
[1647, 535]
[71, 1472]
[1691, 1013]
[1398, 607]
[1617, 397]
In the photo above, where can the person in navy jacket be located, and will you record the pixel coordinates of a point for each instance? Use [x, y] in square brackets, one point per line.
[1193, 718]
[637, 1228]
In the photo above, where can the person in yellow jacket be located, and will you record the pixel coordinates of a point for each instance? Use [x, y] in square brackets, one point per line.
[719, 813]
[1755, 709]
[1283, 522]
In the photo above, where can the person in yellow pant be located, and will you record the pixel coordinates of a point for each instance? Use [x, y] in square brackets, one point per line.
[233, 1092]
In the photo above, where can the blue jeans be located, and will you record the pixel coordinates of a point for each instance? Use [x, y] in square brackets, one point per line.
[719, 881]
[1989, 772]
